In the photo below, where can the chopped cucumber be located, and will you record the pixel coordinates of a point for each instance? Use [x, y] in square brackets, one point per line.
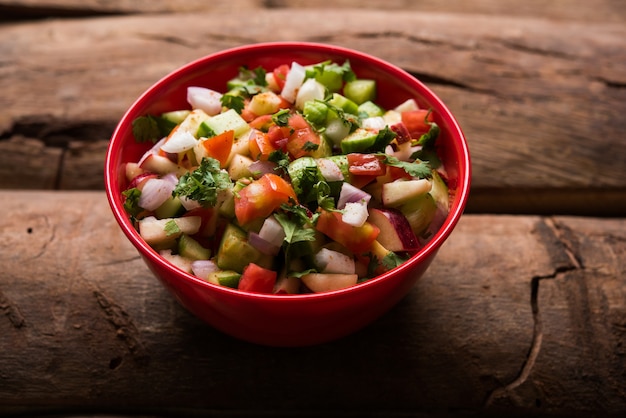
[360, 90]
[227, 121]
[345, 104]
[227, 278]
[358, 141]
[176, 116]
[171, 208]
[371, 109]
[190, 248]
[235, 253]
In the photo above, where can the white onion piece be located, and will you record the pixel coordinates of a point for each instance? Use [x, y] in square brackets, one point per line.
[330, 261]
[260, 167]
[202, 268]
[329, 170]
[179, 141]
[189, 204]
[355, 213]
[262, 245]
[205, 99]
[310, 90]
[402, 151]
[154, 193]
[376, 123]
[350, 193]
[272, 231]
[293, 81]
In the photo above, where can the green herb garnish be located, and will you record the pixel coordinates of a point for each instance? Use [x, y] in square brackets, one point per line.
[205, 183]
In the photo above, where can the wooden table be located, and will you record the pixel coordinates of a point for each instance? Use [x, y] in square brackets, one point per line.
[523, 313]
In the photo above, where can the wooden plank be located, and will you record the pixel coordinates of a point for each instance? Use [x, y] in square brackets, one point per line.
[521, 314]
[597, 10]
[541, 101]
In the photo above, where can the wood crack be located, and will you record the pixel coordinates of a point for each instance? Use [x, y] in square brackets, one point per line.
[125, 329]
[558, 241]
[12, 311]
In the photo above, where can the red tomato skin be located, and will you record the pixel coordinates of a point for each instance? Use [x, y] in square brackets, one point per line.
[262, 197]
[255, 278]
[365, 165]
[415, 121]
[260, 146]
[262, 123]
[280, 75]
[219, 146]
[300, 134]
[357, 239]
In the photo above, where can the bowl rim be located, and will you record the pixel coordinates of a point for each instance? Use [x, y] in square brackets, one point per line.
[454, 215]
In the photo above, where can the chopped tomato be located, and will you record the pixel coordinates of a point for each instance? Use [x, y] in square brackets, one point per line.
[262, 123]
[262, 197]
[280, 75]
[260, 145]
[366, 165]
[255, 278]
[396, 173]
[303, 140]
[278, 136]
[415, 121]
[357, 239]
[219, 146]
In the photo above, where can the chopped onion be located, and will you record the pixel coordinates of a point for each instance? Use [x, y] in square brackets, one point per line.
[202, 268]
[329, 169]
[154, 193]
[355, 213]
[179, 141]
[262, 245]
[293, 81]
[272, 231]
[205, 99]
[331, 261]
[350, 193]
[189, 204]
[375, 122]
[401, 151]
[310, 90]
[260, 167]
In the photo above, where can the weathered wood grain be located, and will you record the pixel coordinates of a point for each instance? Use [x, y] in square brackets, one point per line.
[522, 314]
[597, 10]
[541, 101]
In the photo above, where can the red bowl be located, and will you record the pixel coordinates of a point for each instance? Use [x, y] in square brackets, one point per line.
[293, 320]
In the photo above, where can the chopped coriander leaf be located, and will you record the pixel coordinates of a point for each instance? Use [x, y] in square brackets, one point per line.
[324, 198]
[131, 203]
[310, 146]
[233, 102]
[299, 274]
[392, 260]
[294, 231]
[384, 138]
[281, 159]
[428, 139]
[205, 183]
[281, 118]
[257, 76]
[146, 128]
[427, 154]
[420, 169]
[171, 228]
[301, 213]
